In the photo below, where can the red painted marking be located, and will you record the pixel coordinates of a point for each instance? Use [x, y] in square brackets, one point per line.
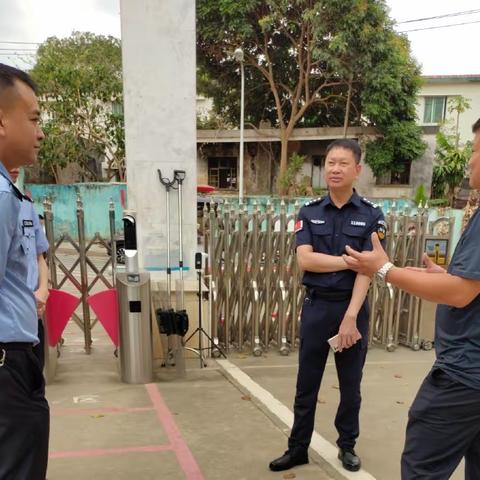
[101, 452]
[184, 455]
[64, 412]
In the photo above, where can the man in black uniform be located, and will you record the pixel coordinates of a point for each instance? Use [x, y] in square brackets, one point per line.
[335, 303]
[444, 419]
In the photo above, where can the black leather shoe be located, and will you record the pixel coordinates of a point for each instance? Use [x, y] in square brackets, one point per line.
[349, 459]
[288, 460]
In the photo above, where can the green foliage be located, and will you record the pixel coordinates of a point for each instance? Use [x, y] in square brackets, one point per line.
[301, 57]
[400, 145]
[450, 167]
[438, 202]
[288, 181]
[457, 105]
[80, 82]
[420, 195]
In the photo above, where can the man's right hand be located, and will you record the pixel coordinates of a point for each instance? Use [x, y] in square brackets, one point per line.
[430, 266]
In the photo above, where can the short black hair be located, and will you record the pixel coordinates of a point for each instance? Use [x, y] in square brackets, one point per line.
[347, 144]
[476, 126]
[9, 74]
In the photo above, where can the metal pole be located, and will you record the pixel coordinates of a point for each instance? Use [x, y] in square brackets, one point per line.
[84, 276]
[169, 271]
[242, 114]
[113, 242]
[47, 210]
[180, 243]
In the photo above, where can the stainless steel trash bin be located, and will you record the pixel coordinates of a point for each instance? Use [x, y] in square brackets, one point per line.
[136, 354]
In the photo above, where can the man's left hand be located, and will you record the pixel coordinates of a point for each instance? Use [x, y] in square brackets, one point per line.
[367, 262]
[348, 333]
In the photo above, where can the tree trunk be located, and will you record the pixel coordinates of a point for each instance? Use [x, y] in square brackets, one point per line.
[451, 196]
[347, 109]
[282, 189]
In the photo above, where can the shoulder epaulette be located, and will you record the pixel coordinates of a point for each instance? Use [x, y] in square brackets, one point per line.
[314, 201]
[368, 202]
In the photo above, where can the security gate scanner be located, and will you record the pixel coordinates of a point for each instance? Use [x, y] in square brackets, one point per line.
[133, 287]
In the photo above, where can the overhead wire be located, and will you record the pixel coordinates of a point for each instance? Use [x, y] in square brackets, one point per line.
[438, 26]
[436, 17]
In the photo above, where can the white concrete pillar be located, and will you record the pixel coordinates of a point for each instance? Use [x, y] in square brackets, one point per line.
[158, 51]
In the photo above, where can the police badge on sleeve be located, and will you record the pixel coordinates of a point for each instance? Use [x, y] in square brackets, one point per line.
[298, 226]
[381, 229]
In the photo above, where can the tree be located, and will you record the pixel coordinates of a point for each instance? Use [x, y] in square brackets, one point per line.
[451, 163]
[308, 62]
[451, 158]
[80, 83]
[458, 105]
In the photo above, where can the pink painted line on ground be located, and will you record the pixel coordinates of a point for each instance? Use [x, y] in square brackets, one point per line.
[184, 455]
[101, 452]
[62, 412]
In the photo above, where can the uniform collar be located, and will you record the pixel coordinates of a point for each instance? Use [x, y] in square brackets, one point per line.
[4, 172]
[355, 199]
[16, 191]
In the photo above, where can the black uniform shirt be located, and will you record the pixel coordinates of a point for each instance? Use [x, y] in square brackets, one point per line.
[329, 229]
[457, 330]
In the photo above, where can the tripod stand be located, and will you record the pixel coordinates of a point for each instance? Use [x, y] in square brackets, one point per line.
[201, 331]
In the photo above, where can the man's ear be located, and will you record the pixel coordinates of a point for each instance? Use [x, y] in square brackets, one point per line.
[2, 122]
[359, 169]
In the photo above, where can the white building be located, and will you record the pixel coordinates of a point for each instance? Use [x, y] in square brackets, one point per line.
[432, 106]
[432, 112]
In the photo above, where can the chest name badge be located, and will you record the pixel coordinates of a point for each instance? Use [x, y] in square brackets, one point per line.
[357, 223]
[317, 222]
[27, 223]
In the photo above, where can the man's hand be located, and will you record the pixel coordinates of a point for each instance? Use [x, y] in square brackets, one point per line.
[41, 296]
[430, 266]
[348, 333]
[367, 262]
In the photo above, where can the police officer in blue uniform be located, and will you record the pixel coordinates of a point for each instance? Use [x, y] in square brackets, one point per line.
[24, 411]
[335, 303]
[37, 277]
[444, 419]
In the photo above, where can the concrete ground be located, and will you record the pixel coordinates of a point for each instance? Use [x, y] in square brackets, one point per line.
[201, 427]
[211, 425]
[223, 422]
[389, 385]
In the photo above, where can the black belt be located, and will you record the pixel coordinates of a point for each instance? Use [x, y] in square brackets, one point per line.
[16, 346]
[329, 294]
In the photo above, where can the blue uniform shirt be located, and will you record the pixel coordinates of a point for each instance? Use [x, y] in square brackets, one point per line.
[330, 229]
[36, 242]
[18, 313]
[457, 330]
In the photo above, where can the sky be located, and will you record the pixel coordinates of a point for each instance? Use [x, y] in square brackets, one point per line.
[440, 51]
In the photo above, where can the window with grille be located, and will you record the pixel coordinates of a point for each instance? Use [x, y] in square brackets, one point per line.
[222, 172]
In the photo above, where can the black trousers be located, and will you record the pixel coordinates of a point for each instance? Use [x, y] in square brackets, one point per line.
[39, 348]
[24, 415]
[320, 320]
[443, 427]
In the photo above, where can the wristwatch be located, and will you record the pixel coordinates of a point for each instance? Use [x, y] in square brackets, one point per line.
[382, 272]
